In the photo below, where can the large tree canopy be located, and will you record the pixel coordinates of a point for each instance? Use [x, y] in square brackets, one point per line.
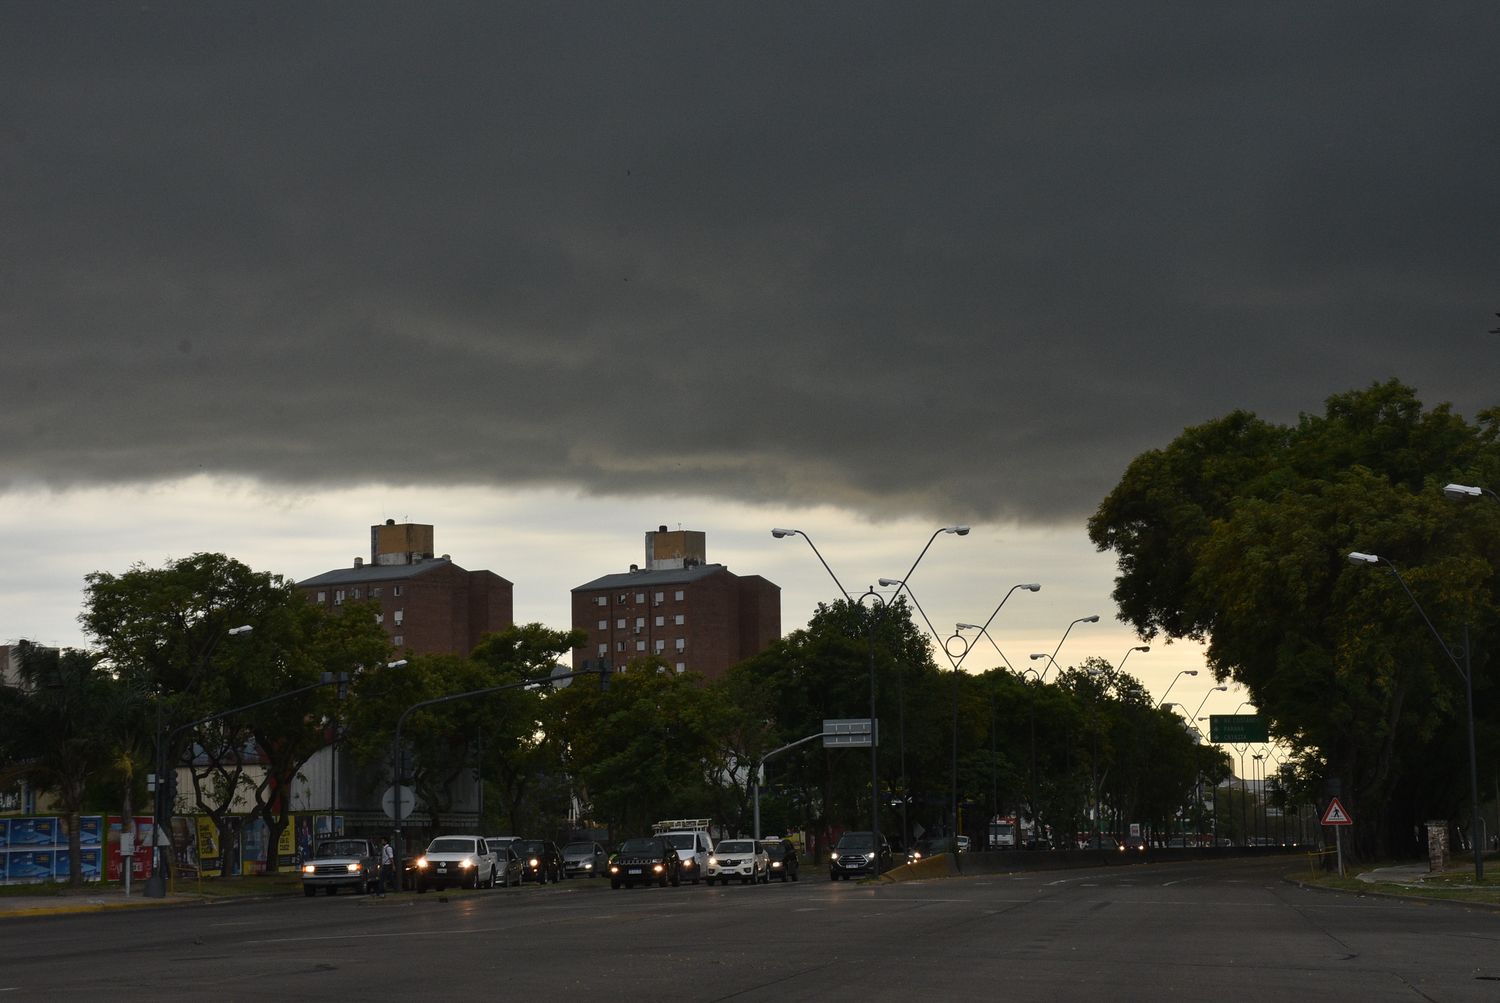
[1238, 532]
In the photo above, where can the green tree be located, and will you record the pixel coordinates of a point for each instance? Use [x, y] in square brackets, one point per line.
[1237, 533]
[60, 730]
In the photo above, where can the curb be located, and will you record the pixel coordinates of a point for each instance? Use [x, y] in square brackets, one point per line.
[1419, 899]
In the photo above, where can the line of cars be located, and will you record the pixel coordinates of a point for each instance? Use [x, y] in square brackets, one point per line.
[675, 857]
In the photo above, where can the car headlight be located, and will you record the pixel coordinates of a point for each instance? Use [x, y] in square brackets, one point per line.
[355, 867]
[465, 864]
[869, 856]
[588, 866]
[534, 862]
[916, 854]
[688, 862]
[614, 868]
[657, 868]
[713, 861]
[421, 863]
[834, 855]
[775, 863]
[309, 869]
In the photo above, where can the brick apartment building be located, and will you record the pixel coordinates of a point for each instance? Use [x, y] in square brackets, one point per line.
[697, 616]
[428, 605]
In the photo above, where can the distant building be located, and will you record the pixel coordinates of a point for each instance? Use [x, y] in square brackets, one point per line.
[428, 605]
[697, 616]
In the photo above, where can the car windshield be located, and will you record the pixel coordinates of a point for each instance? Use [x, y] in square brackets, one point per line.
[776, 850]
[856, 841]
[640, 846]
[531, 846]
[735, 846]
[451, 845]
[684, 841]
[342, 848]
[497, 845]
[574, 849]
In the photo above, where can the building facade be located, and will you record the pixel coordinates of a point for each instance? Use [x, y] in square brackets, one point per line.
[428, 605]
[696, 616]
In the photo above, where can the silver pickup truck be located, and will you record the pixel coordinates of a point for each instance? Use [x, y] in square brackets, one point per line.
[341, 863]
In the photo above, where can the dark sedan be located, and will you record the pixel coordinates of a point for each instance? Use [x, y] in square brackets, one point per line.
[541, 860]
[784, 863]
[644, 860]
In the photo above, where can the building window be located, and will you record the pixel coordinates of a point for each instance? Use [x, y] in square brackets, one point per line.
[619, 645]
[640, 621]
[377, 592]
[681, 643]
[322, 597]
[603, 624]
[677, 595]
[679, 619]
[338, 597]
[661, 621]
[380, 618]
[640, 646]
[356, 593]
[399, 616]
[603, 649]
[623, 598]
[620, 623]
[640, 597]
[395, 590]
[602, 601]
[398, 640]
[659, 597]
[682, 666]
[661, 645]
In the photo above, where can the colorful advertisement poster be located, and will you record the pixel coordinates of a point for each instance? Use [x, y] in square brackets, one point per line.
[141, 869]
[207, 846]
[286, 843]
[30, 866]
[28, 832]
[62, 864]
[91, 830]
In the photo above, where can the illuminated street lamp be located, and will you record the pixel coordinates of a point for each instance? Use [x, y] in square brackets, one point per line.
[1465, 672]
[1459, 492]
[874, 614]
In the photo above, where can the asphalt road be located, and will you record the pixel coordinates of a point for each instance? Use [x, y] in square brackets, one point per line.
[1218, 930]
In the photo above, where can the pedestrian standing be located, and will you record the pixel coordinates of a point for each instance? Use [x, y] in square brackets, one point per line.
[387, 866]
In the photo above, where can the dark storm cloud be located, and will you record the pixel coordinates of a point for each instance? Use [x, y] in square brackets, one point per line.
[958, 259]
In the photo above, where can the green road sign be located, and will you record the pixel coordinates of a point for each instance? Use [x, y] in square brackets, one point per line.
[1237, 729]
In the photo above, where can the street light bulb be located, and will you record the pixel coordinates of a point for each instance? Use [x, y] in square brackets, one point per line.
[1462, 491]
[1141, 647]
[1191, 672]
[396, 664]
[1355, 557]
[960, 530]
[236, 631]
[967, 626]
[783, 533]
[1091, 619]
[888, 582]
[1040, 654]
[1222, 689]
[1032, 587]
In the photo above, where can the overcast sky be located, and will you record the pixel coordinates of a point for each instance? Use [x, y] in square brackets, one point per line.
[549, 275]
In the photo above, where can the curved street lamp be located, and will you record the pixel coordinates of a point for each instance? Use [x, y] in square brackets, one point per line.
[1083, 619]
[1138, 647]
[1184, 672]
[1465, 672]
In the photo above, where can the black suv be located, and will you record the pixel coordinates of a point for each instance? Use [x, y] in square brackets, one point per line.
[855, 855]
[541, 860]
[643, 860]
[784, 862]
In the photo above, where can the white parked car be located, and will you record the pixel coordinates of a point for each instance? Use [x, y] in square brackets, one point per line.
[739, 858]
[457, 861]
[693, 849]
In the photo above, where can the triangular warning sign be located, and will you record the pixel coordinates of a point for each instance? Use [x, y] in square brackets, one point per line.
[1335, 814]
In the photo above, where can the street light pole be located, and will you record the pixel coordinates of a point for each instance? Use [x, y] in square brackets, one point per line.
[1126, 656]
[872, 617]
[1465, 671]
[1184, 672]
[156, 884]
[1053, 657]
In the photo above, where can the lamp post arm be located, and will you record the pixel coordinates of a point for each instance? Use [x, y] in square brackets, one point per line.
[986, 633]
[819, 555]
[1425, 619]
[913, 567]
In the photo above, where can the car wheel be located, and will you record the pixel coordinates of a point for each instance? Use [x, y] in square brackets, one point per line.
[796, 875]
[614, 884]
[677, 880]
[309, 890]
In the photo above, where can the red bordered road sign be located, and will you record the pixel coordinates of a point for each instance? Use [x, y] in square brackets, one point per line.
[1335, 814]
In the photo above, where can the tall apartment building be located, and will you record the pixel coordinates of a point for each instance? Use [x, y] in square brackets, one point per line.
[697, 616]
[428, 605]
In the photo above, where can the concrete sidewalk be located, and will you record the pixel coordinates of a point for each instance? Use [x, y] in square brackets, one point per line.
[84, 900]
